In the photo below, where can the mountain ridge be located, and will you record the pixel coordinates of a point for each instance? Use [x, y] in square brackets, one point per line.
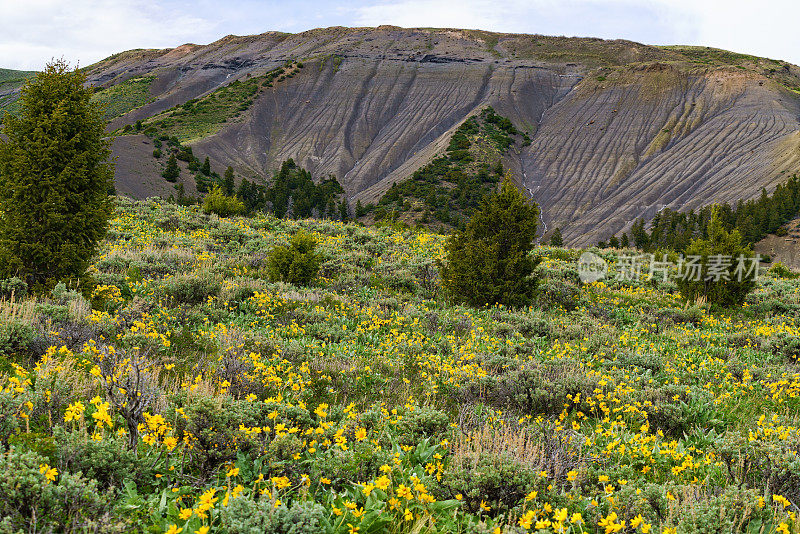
[619, 129]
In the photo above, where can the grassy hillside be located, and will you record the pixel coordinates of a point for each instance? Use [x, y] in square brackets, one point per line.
[123, 97]
[368, 403]
[9, 81]
[203, 116]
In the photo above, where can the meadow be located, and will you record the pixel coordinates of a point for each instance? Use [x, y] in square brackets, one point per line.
[188, 393]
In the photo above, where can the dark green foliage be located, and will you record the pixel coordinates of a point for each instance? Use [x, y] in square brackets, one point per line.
[13, 287]
[423, 423]
[221, 204]
[185, 154]
[192, 289]
[754, 219]
[452, 186]
[499, 129]
[490, 261]
[67, 504]
[172, 171]
[252, 195]
[497, 479]
[293, 187]
[228, 182]
[360, 211]
[716, 289]
[296, 264]
[203, 183]
[213, 423]
[109, 461]
[157, 153]
[206, 168]
[55, 176]
[556, 240]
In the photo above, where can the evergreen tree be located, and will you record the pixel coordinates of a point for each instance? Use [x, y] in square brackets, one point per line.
[639, 234]
[297, 263]
[624, 242]
[228, 182]
[556, 240]
[729, 288]
[202, 183]
[206, 168]
[172, 171]
[489, 261]
[55, 178]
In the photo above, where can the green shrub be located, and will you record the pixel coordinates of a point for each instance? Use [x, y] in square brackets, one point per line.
[533, 388]
[70, 503]
[782, 271]
[420, 424]
[172, 171]
[496, 478]
[109, 461]
[245, 516]
[490, 261]
[555, 292]
[63, 157]
[215, 438]
[715, 288]
[219, 203]
[296, 264]
[193, 288]
[13, 287]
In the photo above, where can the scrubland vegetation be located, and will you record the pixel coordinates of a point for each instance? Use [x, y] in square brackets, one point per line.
[191, 393]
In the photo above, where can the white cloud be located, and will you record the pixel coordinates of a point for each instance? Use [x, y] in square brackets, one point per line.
[765, 28]
[34, 31]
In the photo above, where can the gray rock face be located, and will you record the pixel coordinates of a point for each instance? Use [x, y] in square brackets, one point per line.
[648, 129]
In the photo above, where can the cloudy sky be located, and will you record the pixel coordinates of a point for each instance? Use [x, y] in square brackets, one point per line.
[84, 31]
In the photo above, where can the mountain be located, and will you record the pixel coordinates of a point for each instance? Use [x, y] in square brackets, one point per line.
[10, 82]
[618, 130]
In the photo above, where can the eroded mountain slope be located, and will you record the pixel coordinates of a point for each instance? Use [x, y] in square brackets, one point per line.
[619, 129]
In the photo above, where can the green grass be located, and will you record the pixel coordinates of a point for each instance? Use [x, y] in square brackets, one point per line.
[201, 117]
[10, 80]
[713, 56]
[14, 77]
[124, 97]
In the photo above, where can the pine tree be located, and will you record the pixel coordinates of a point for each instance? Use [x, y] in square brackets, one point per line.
[639, 234]
[624, 242]
[716, 289]
[206, 168]
[489, 261]
[55, 178]
[172, 171]
[556, 240]
[228, 182]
